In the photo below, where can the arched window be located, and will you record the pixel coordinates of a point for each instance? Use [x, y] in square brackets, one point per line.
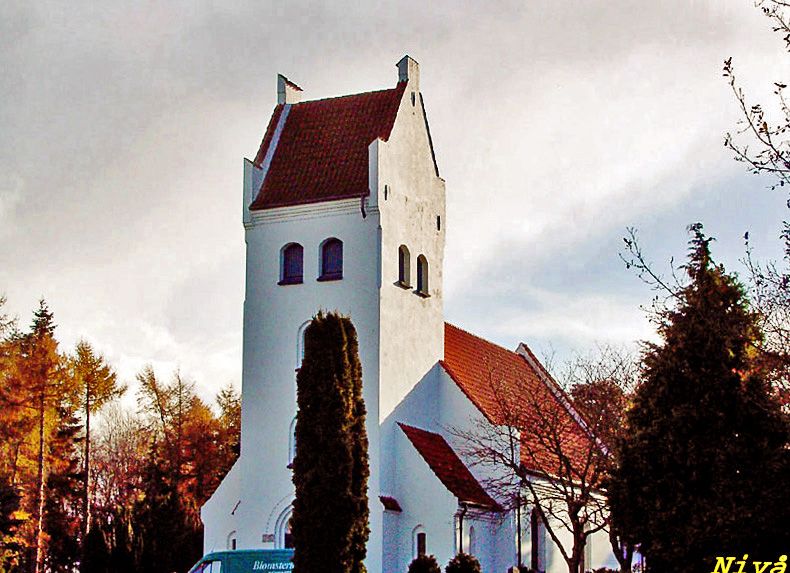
[282, 530]
[288, 538]
[232, 540]
[292, 443]
[472, 540]
[422, 275]
[331, 260]
[404, 267]
[419, 542]
[291, 264]
[300, 344]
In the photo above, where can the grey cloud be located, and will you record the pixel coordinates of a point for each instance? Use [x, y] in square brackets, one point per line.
[123, 125]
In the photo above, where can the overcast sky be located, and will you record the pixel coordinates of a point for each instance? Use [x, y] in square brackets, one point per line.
[556, 125]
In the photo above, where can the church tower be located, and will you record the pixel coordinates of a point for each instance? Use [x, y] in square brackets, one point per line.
[343, 209]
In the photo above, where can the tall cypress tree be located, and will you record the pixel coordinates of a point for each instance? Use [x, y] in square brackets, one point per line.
[330, 513]
[703, 467]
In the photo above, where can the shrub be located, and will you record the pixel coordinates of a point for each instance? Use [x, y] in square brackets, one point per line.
[463, 563]
[424, 564]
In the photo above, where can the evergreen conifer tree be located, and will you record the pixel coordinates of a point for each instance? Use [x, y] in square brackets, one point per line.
[703, 465]
[330, 514]
[166, 536]
[95, 553]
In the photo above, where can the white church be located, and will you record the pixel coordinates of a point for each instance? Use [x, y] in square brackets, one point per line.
[344, 209]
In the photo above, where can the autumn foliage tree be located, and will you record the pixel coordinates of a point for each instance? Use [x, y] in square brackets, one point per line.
[97, 385]
[330, 510]
[69, 453]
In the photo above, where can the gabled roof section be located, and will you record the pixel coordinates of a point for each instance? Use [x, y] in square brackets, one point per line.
[507, 390]
[321, 153]
[448, 467]
[478, 366]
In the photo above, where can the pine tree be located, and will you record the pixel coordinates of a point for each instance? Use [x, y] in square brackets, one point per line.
[40, 372]
[330, 514]
[703, 463]
[168, 537]
[463, 563]
[64, 487]
[228, 400]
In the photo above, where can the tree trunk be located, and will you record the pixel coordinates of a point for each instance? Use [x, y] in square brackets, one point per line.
[623, 551]
[39, 505]
[86, 513]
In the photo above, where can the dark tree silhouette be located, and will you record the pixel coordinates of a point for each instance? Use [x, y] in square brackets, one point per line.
[703, 463]
[330, 513]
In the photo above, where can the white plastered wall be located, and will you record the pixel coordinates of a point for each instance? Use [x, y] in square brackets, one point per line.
[217, 513]
[438, 405]
[273, 315]
[410, 196]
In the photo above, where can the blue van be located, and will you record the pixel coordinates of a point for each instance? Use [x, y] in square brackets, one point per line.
[245, 561]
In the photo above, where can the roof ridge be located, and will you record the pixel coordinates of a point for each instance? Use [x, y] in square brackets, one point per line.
[472, 334]
[404, 425]
[330, 98]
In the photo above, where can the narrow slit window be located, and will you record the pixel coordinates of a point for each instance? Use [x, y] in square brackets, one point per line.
[288, 538]
[404, 266]
[422, 275]
[421, 543]
[537, 542]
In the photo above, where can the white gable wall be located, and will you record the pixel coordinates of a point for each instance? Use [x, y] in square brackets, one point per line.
[412, 327]
[438, 405]
[217, 513]
[426, 503]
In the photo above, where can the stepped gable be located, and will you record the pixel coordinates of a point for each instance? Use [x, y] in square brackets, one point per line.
[321, 152]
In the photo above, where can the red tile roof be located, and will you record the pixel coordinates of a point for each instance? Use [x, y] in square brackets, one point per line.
[322, 151]
[448, 467]
[390, 503]
[509, 391]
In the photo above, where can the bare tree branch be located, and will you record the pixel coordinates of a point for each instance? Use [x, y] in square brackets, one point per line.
[539, 443]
